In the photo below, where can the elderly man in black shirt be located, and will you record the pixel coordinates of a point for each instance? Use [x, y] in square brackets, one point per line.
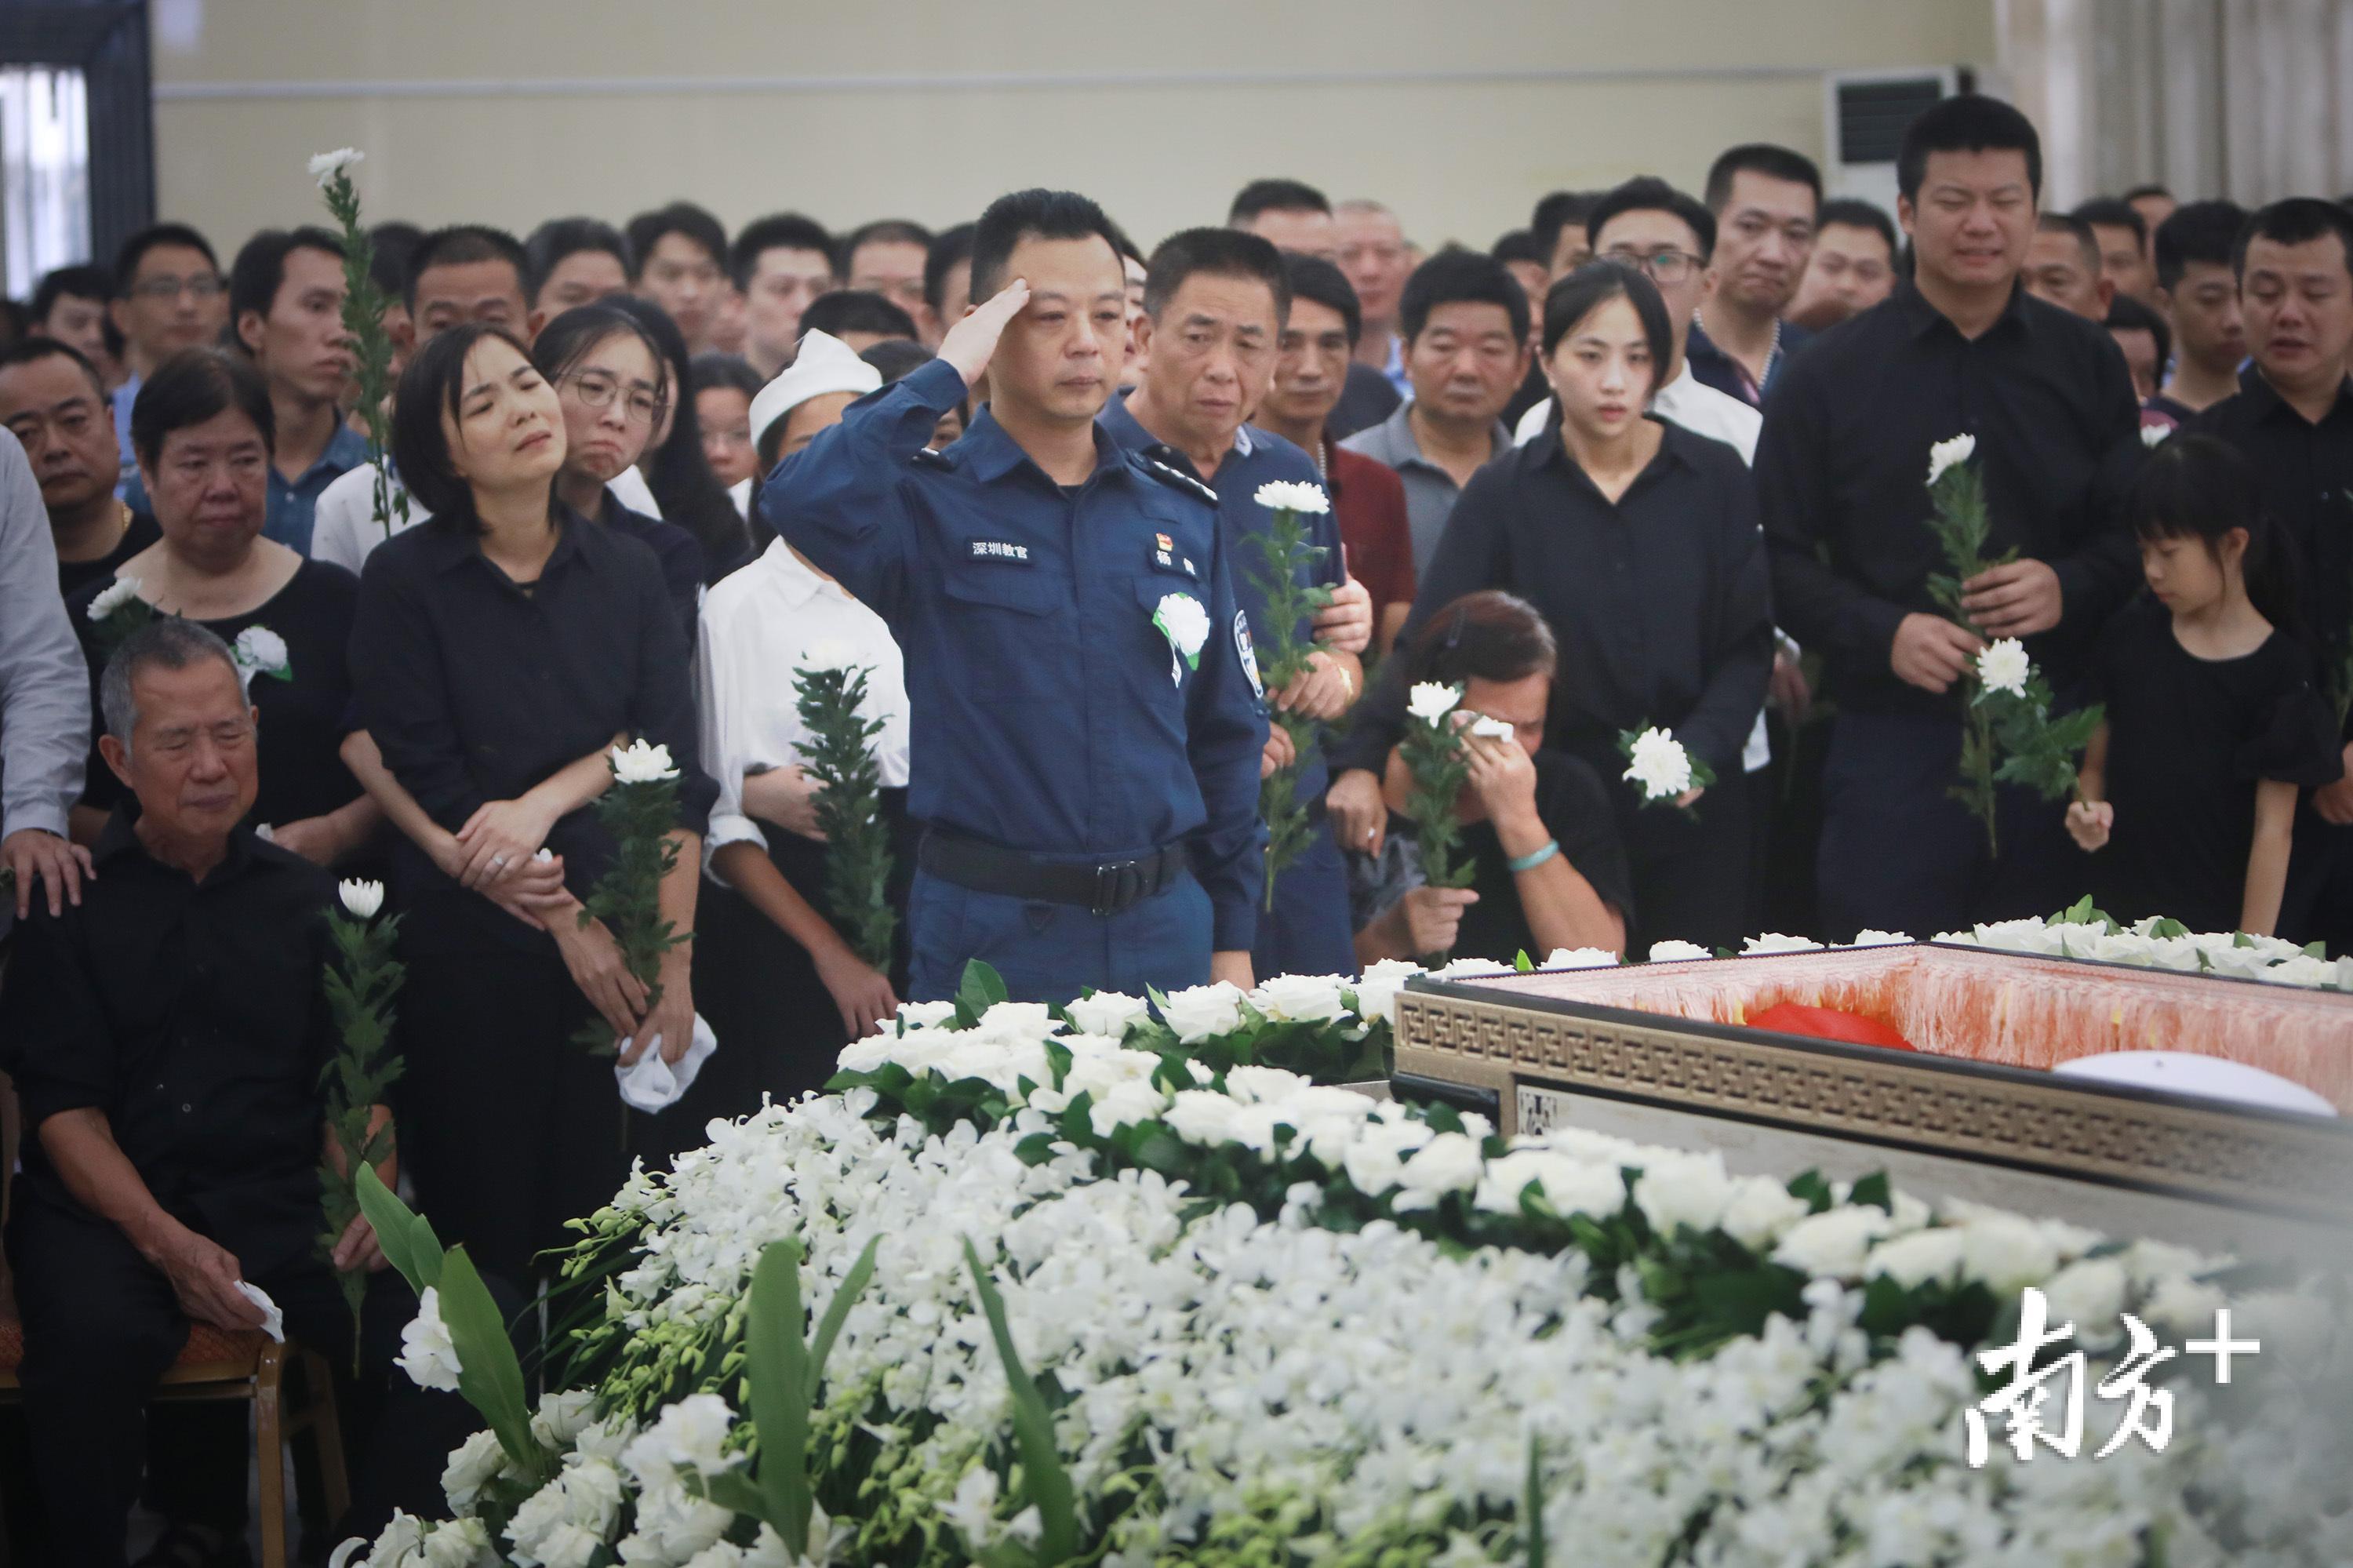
[166, 1037]
[2292, 417]
[1841, 470]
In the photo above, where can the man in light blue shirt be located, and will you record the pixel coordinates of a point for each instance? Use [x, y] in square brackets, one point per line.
[169, 296]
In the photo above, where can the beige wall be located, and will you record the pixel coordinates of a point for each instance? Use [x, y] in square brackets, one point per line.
[1457, 112]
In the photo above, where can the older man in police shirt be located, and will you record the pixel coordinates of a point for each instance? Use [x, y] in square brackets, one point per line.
[1214, 304]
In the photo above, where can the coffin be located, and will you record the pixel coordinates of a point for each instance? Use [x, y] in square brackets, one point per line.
[1667, 1051]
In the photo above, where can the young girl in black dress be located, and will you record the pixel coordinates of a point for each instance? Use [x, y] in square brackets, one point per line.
[2187, 794]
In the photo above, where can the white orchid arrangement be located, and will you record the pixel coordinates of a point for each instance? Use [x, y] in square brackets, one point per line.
[1284, 576]
[1032, 1295]
[2009, 734]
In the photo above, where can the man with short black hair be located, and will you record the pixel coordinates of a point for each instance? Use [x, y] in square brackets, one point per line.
[1375, 256]
[1293, 216]
[1465, 343]
[2292, 420]
[1960, 349]
[1290, 213]
[2153, 203]
[1850, 269]
[2145, 342]
[1215, 303]
[1075, 657]
[54, 402]
[1558, 226]
[286, 301]
[168, 296]
[858, 317]
[947, 279]
[780, 264]
[1765, 200]
[69, 305]
[2063, 267]
[2120, 234]
[2198, 288]
[886, 258]
[573, 261]
[681, 256]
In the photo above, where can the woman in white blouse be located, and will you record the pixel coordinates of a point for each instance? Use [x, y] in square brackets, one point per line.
[779, 984]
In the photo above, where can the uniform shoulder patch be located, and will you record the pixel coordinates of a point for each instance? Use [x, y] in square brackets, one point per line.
[1176, 481]
[932, 457]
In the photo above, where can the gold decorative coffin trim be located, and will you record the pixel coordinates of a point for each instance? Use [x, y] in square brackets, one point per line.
[1475, 1035]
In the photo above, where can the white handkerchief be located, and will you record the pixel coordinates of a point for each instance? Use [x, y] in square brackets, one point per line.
[273, 1321]
[653, 1084]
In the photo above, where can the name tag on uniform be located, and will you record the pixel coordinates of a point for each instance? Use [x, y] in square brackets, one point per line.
[1000, 550]
[1167, 559]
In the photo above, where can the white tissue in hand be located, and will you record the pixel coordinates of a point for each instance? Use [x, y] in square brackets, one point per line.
[273, 1321]
[652, 1083]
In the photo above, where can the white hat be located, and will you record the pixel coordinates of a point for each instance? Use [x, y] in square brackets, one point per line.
[823, 364]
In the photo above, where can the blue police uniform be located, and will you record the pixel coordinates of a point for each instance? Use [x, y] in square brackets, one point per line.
[1089, 797]
[1307, 932]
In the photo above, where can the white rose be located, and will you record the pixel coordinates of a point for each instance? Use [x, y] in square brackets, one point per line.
[362, 898]
[1293, 495]
[568, 1545]
[1013, 1024]
[460, 1544]
[2120, 948]
[2303, 969]
[1303, 998]
[2023, 936]
[1430, 701]
[1184, 622]
[642, 764]
[2003, 666]
[1672, 952]
[2089, 1295]
[325, 166]
[2180, 1304]
[1943, 454]
[117, 594]
[2007, 1253]
[1774, 942]
[1833, 1242]
[475, 1464]
[1677, 1189]
[395, 1545]
[1579, 959]
[563, 1416]
[1378, 987]
[1659, 765]
[925, 1014]
[1880, 939]
[1107, 1014]
[1123, 1105]
[1199, 1012]
[1760, 1212]
[426, 1354]
[671, 1526]
[1917, 1258]
[2153, 436]
[1450, 1162]
[1470, 969]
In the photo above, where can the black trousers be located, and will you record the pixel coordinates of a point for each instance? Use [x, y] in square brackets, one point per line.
[1691, 869]
[507, 1128]
[101, 1325]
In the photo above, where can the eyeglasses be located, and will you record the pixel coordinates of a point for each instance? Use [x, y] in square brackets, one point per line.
[596, 390]
[204, 286]
[1663, 266]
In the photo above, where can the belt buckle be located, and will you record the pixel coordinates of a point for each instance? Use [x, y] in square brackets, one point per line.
[1106, 892]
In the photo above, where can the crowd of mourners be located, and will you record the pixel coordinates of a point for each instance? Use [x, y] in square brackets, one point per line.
[1657, 459]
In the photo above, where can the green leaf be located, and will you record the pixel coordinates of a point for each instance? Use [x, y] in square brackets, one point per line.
[778, 1376]
[1524, 964]
[982, 989]
[1811, 1186]
[406, 1239]
[836, 1311]
[1532, 1505]
[489, 1374]
[1873, 1191]
[1043, 1478]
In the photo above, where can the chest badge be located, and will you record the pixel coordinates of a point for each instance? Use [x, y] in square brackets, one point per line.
[1000, 550]
[1247, 653]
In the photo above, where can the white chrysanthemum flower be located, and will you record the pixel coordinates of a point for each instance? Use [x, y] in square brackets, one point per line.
[1184, 622]
[1659, 765]
[362, 898]
[826, 653]
[1293, 495]
[1943, 454]
[1430, 701]
[325, 166]
[2155, 436]
[2003, 666]
[1673, 951]
[426, 1354]
[115, 594]
[643, 763]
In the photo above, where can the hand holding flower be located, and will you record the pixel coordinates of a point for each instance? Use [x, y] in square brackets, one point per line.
[2014, 601]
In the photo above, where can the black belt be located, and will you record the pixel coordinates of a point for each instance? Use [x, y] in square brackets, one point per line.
[1103, 889]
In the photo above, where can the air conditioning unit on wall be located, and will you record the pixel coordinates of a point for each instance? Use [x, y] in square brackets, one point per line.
[1864, 113]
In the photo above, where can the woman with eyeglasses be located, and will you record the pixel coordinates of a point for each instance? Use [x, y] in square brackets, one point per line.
[617, 391]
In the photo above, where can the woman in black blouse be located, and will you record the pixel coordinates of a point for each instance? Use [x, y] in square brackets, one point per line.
[498, 651]
[1637, 542]
[203, 431]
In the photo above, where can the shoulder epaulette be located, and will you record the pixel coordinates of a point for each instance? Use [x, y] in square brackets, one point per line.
[1186, 482]
[932, 457]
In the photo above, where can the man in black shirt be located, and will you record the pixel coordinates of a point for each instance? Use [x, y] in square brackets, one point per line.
[1842, 469]
[2292, 417]
[54, 401]
[166, 1038]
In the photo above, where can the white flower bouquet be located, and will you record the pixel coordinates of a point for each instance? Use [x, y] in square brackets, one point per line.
[1152, 1312]
[1284, 578]
[362, 980]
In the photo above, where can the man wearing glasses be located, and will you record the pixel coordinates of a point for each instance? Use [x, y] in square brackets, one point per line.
[169, 296]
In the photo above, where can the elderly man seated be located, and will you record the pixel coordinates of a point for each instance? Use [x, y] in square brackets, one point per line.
[166, 1037]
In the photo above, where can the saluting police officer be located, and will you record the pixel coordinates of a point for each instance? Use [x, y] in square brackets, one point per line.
[1214, 304]
[1086, 721]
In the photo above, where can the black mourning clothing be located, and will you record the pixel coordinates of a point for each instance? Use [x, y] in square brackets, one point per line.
[141, 532]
